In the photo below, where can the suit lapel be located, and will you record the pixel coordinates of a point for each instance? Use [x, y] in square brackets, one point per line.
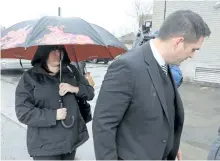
[153, 70]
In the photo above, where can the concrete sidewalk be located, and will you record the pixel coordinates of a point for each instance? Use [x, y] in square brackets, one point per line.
[202, 120]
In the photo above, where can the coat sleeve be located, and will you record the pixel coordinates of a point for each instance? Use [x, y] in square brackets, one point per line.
[85, 89]
[113, 100]
[25, 110]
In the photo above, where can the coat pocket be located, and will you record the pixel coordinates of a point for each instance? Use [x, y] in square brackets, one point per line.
[52, 138]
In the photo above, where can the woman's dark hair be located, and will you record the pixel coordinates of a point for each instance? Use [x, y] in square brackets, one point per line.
[42, 54]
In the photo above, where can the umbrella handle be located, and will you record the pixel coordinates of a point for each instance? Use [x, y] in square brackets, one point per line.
[62, 121]
[68, 126]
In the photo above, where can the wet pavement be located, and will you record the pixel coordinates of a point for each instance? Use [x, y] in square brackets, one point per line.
[202, 119]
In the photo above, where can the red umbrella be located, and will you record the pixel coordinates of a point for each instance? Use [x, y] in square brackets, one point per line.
[82, 40]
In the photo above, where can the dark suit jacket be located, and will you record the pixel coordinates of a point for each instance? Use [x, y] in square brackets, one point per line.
[131, 118]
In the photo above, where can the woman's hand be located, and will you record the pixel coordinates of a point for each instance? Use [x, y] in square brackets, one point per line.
[65, 88]
[61, 114]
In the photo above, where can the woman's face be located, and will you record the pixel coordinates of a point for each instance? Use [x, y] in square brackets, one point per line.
[54, 57]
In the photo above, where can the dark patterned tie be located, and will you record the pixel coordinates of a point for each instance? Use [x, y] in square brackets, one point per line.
[164, 68]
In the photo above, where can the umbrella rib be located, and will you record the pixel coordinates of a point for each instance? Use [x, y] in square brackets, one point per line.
[29, 37]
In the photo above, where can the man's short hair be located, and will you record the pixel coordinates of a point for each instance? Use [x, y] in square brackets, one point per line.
[184, 23]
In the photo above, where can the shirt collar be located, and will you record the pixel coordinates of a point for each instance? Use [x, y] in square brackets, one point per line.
[156, 54]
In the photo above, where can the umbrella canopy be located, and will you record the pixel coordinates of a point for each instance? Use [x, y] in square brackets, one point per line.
[85, 40]
[108, 39]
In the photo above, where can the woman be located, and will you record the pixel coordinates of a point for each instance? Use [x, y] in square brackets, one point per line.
[37, 105]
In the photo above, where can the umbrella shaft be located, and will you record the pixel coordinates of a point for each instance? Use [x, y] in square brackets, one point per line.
[61, 104]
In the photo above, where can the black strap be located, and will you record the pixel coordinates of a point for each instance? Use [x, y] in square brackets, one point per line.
[75, 72]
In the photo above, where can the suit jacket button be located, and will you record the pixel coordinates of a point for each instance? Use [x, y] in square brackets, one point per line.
[164, 141]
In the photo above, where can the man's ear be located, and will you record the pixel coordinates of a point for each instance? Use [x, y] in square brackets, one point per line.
[177, 41]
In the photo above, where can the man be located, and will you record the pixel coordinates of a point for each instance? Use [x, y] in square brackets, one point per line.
[177, 75]
[139, 114]
[214, 153]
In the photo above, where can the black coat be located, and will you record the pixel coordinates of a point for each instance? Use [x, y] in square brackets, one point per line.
[131, 115]
[37, 99]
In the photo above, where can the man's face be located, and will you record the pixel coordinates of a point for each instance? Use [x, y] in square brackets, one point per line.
[183, 50]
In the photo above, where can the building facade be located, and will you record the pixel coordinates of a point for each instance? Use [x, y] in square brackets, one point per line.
[205, 66]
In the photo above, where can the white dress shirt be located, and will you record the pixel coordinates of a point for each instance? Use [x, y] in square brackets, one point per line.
[156, 54]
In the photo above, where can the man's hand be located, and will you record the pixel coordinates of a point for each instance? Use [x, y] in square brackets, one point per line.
[179, 155]
[61, 114]
[65, 87]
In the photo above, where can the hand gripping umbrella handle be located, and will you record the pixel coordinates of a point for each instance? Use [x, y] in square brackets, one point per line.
[62, 121]
[68, 126]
